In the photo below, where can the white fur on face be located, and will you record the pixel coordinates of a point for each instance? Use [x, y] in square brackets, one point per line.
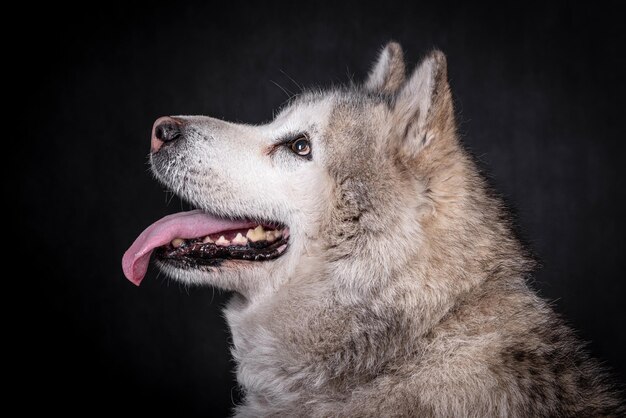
[228, 169]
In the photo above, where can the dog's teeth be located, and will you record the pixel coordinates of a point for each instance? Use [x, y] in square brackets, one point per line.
[256, 234]
[177, 242]
[208, 240]
[222, 242]
[240, 239]
[271, 236]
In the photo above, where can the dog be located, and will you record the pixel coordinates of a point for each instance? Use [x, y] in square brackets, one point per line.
[374, 272]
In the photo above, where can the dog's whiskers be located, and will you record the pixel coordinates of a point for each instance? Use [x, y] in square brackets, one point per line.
[292, 80]
[289, 93]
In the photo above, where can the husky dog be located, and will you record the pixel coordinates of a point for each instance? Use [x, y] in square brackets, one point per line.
[374, 272]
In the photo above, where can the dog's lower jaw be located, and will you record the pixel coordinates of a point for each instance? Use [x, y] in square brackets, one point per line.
[253, 280]
[223, 276]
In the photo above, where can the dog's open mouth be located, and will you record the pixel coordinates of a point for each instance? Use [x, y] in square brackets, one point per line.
[258, 243]
[194, 239]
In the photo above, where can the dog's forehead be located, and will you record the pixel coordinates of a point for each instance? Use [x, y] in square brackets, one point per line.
[316, 110]
[306, 108]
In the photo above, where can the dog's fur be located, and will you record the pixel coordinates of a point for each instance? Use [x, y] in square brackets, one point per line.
[403, 291]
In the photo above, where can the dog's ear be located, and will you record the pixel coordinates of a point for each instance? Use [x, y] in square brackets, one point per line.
[388, 73]
[423, 107]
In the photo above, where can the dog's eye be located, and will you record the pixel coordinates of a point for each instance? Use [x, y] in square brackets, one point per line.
[301, 146]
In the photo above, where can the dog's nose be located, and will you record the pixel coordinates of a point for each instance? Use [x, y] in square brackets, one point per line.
[164, 130]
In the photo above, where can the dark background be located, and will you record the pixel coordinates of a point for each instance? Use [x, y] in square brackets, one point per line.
[539, 95]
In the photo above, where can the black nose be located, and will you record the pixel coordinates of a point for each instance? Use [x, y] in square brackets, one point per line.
[167, 131]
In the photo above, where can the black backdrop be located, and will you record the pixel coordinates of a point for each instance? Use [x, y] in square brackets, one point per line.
[539, 96]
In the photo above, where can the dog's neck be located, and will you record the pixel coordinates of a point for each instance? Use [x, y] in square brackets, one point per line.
[310, 331]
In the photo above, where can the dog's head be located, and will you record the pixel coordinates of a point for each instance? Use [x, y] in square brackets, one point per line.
[343, 174]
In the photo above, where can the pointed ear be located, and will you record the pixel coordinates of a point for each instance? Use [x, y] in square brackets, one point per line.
[423, 107]
[388, 73]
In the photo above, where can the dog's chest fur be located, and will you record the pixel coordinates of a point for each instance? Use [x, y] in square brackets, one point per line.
[492, 353]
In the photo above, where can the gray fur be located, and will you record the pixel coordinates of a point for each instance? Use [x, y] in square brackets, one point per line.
[403, 292]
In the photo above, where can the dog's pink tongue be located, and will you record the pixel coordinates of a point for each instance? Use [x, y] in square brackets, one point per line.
[186, 225]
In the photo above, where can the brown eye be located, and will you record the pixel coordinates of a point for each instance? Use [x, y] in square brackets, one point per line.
[301, 146]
